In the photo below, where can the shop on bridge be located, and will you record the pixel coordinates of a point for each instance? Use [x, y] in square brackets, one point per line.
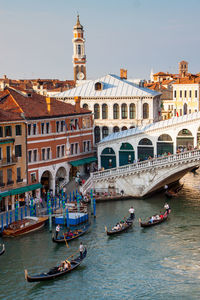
[164, 145]
[108, 158]
[126, 154]
[145, 149]
[185, 140]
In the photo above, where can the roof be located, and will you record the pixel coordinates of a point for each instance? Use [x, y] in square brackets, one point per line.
[150, 127]
[113, 86]
[188, 80]
[35, 106]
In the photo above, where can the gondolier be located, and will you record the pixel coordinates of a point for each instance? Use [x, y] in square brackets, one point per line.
[166, 206]
[132, 213]
[57, 230]
[81, 249]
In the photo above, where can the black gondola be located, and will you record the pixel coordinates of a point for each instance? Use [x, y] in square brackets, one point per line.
[55, 272]
[76, 233]
[155, 222]
[3, 250]
[126, 225]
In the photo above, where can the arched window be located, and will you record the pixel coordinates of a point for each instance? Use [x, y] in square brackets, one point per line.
[96, 111]
[145, 111]
[132, 111]
[115, 111]
[79, 49]
[165, 138]
[85, 106]
[145, 142]
[116, 129]
[185, 109]
[124, 111]
[98, 86]
[104, 131]
[124, 128]
[97, 134]
[104, 111]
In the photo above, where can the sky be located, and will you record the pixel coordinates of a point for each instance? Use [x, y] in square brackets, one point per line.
[138, 35]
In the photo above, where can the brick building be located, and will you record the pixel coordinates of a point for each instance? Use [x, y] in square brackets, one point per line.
[59, 137]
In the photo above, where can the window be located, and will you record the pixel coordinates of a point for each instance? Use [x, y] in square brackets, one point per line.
[185, 94]
[174, 94]
[1, 131]
[76, 124]
[18, 150]
[9, 176]
[18, 130]
[88, 145]
[43, 154]
[48, 153]
[86, 122]
[57, 126]
[35, 155]
[190, 94]
[104, 111]
[195, 93]
[85, 106]
[72, 149]
[116, 129]
[76, 148]
[175, 112]
[84, 146]
[96, 111]
[104, 131]
[34, 129]
[29, 156]
[33, 177]
[180, 94]
[63, 150]
[8, 131]
[97, 134]
[47, 127]
[145, 111]
[29, 129]
[0, 153]
[124, 111]
[132, 111]
[58, 151]
[181, 112]
[19, 175]
[79, 50]
[1, 178]
[62, 126]
[42, 128]
[115, 111]
[190, 111]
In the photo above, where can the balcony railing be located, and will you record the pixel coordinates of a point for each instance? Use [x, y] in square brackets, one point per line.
[6, 162]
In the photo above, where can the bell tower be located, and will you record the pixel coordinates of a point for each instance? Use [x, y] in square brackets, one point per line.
[79, 57]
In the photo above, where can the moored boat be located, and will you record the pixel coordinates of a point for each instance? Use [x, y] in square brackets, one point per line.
[69, 236]
[123, 227]
[3, 250]
[57, 271]
[24, 226]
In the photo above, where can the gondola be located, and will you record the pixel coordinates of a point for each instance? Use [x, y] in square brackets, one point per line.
[76, 233]
[155, 222]
[127, 224]
[55, 272]
[173, 193]
[3, 250]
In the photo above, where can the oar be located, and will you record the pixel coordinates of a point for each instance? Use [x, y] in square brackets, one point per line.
[66, 241]
[72, 255]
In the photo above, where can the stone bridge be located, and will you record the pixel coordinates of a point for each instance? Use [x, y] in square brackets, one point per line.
[142, 178]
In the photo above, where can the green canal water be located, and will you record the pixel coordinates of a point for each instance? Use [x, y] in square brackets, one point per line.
[162, 262]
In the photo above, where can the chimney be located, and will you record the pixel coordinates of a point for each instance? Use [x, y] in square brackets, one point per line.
[77, 104]
[123, 74]
[4, 77]
[48, 102]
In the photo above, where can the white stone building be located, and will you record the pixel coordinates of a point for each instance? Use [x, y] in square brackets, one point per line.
[117, 104]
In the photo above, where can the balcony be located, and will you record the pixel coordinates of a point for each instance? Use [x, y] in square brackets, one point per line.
[19, 180]
[4, 162]
[10, 182]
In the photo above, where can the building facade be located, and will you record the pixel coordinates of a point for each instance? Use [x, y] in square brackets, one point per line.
[116, 103]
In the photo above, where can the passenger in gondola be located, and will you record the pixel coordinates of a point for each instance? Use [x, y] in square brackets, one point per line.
[152, 219]
[132, 213]
[161, 216]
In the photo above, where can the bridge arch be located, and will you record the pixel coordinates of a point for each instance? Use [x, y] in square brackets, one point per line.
[61, 175]
[164, 144]
[145, 149]
[108, 158]
[185, 139]
[126, 154]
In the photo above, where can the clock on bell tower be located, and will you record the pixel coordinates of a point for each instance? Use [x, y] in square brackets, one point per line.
[79, 57]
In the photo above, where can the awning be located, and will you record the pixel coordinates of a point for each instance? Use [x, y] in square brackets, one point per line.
[83, 161]
[21, 190]
[8, 141]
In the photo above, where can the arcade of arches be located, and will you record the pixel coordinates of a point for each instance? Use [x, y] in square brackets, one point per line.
[146, 149]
